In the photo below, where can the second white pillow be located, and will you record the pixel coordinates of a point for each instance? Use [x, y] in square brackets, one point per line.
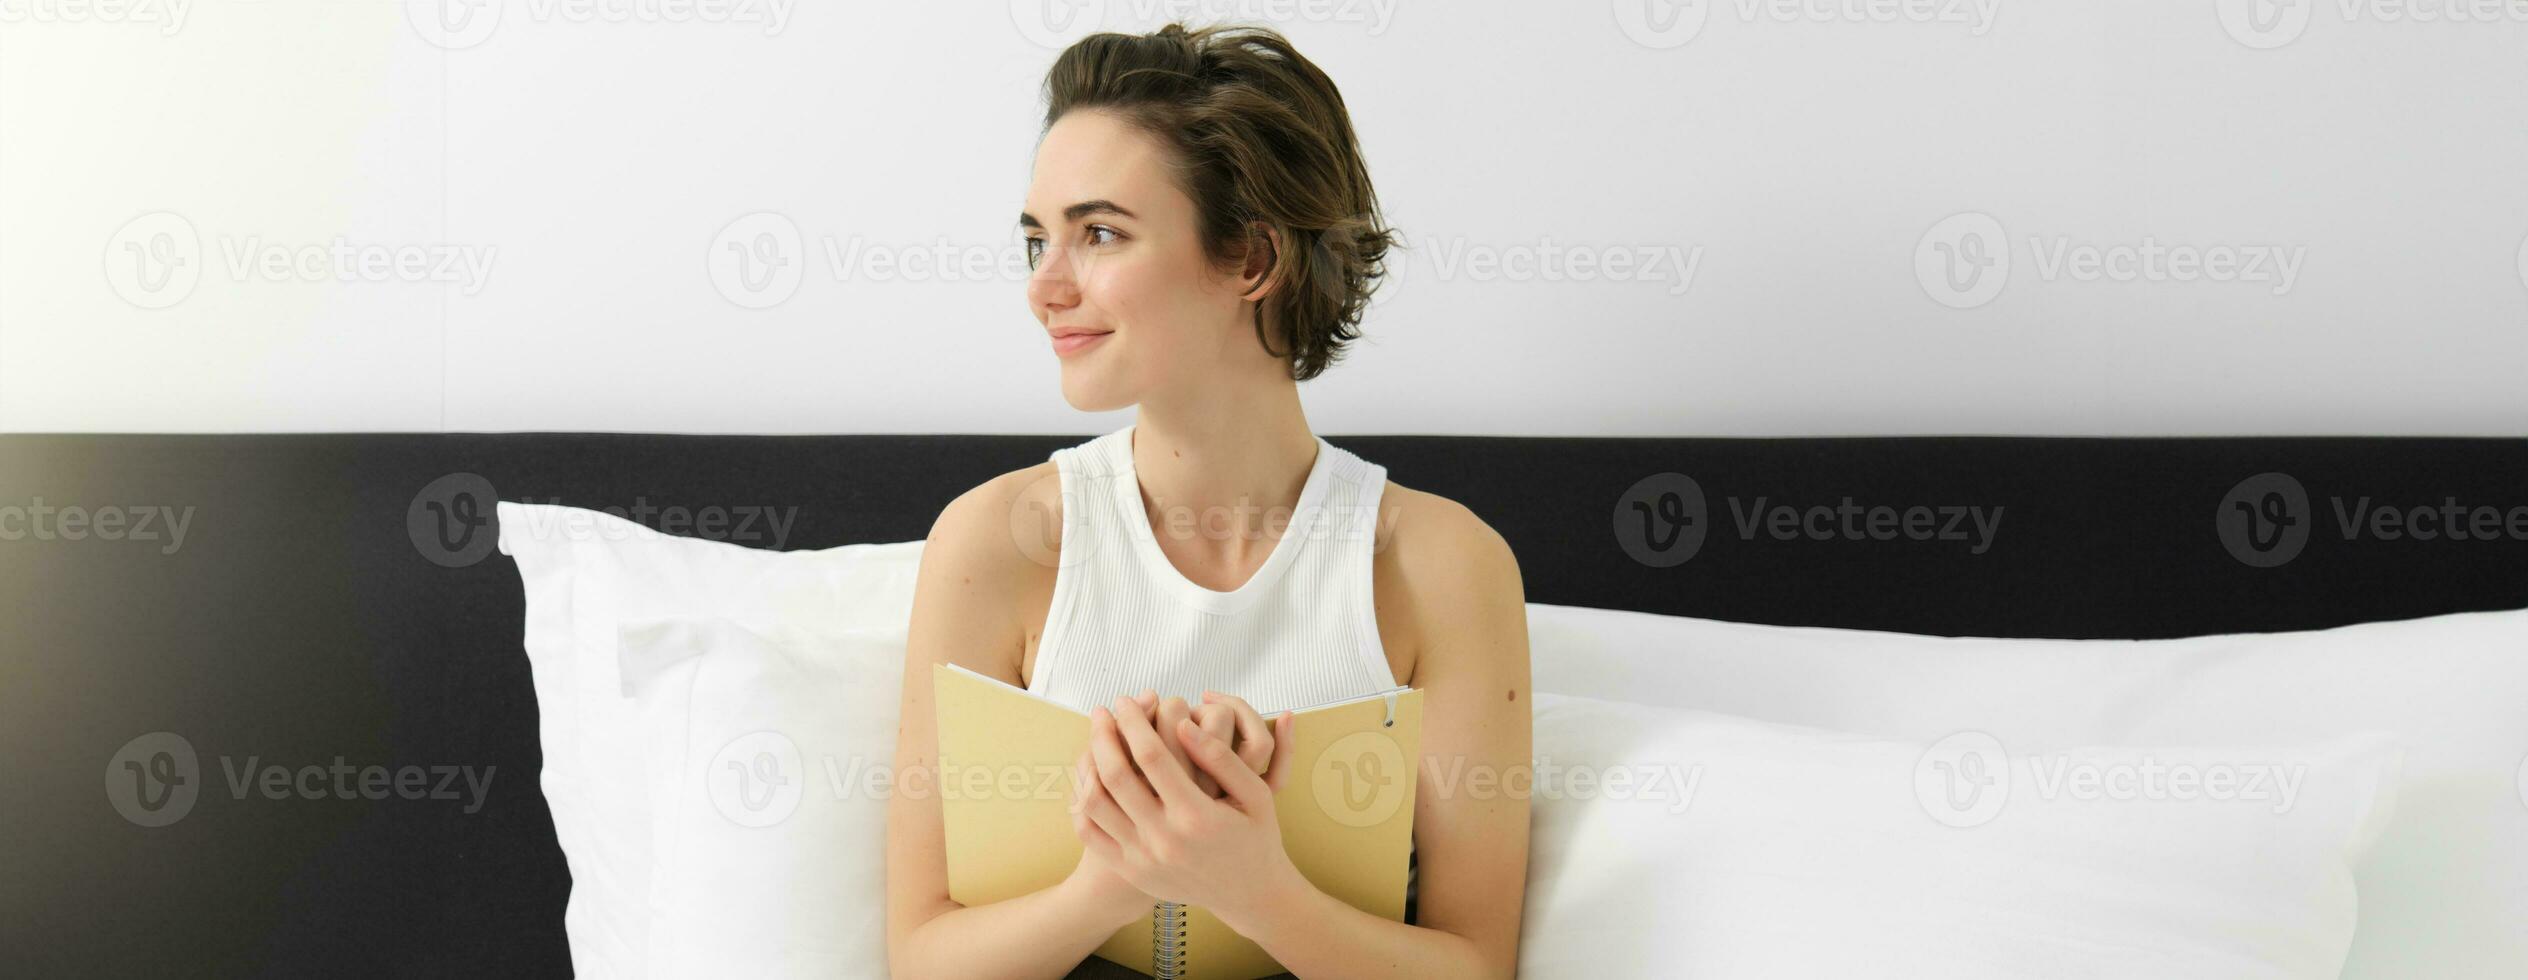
[1674, 842]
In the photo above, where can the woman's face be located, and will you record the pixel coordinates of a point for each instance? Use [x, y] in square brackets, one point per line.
[1116, 252]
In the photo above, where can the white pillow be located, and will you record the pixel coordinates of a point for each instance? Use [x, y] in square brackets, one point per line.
[585, 573]
[768, 812]
[1741, 848]
[2443, 893]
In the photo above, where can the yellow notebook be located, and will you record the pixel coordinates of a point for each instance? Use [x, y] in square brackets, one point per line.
[1346, 812]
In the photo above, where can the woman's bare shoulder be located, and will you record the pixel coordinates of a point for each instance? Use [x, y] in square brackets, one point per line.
[1438, 568]
[989, 548]
[1004, 520]
[1417, 528]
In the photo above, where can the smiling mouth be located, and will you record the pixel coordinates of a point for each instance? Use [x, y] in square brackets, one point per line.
[1073, 343]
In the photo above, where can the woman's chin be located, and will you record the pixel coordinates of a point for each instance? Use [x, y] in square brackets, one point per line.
[1087, 393]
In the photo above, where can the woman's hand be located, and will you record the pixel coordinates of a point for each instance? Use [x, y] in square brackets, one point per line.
[1211, 718]
[1224, 716]
[1254, 741]
[1154, 827]
[1095, 876]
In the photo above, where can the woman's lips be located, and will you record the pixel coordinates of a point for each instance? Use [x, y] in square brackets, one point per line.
[1075, 343]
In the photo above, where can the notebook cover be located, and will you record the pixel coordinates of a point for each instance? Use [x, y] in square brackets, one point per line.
[1005, 757]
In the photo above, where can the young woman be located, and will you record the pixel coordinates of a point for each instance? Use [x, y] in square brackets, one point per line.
[1204, 236]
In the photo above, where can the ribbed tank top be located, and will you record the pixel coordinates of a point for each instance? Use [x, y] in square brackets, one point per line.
[1300, 631]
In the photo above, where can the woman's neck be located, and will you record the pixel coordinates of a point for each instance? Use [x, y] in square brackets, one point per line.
[1225, 474]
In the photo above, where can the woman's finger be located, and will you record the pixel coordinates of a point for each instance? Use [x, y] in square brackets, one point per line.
[1099, 842]
[1217, 721]
[1277, 771]
[1084, 782]
[1171, 711]
[1168, 777]
[1255, 738]
[1247, 791]
[1115, 771]
[1164, 718]
[1100, 814]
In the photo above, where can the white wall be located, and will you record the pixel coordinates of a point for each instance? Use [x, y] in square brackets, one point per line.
[599, 157]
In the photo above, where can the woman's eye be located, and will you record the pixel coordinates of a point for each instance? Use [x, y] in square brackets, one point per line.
[1097, 235]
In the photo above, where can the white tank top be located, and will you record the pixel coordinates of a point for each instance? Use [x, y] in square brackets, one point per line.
[1300, 631]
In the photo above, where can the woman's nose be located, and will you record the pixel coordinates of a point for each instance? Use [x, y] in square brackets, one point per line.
[1050, 284]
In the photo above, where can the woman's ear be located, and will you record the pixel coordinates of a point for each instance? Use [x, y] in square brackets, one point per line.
[1255, 274]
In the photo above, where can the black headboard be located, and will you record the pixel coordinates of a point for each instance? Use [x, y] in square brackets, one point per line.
[327, 600]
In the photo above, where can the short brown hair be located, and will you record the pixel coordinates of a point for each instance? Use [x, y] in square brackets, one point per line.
[1260, 137]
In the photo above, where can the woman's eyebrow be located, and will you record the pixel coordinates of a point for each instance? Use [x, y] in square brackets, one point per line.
[1077, 211]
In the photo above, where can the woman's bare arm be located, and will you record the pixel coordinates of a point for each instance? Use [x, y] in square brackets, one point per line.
[965, 613]
[1470, 608]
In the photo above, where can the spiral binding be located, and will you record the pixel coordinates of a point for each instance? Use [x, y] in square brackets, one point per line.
[1167, 941]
